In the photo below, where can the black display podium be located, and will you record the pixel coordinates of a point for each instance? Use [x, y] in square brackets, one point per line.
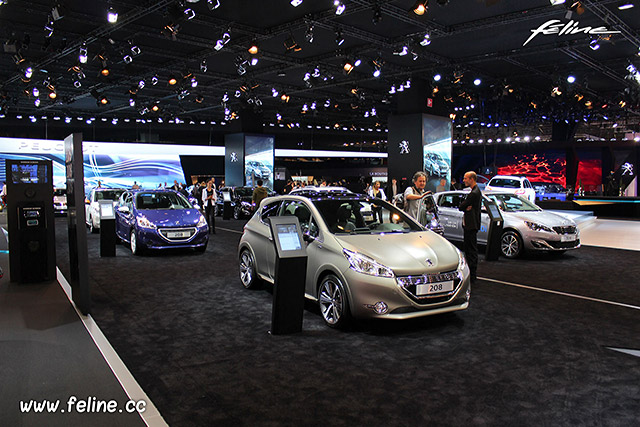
[108, 237]
[290, 275]
[494, 236]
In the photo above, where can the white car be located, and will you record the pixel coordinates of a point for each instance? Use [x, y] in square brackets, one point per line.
[60, 201]
[519, 185]
[92, 205]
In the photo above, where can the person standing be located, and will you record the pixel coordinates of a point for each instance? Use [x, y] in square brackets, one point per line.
[414, 193]
[443, 185]
[376, 191]
[392, 189]
[471, 222]
[209, 201]
[259, 193]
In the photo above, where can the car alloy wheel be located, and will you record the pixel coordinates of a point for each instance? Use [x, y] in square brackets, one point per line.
[248, 270]
[511, 244]
[136, 247]
[236, 213]
[333, 303]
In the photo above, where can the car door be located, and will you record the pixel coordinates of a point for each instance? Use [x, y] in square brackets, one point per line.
[450, 215]
[124, 220]
[265, 251]
[483, 233]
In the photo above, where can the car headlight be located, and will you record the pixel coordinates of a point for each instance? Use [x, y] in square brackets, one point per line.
[462, 261]
[201, 222]
[538, 227]
[364, 264]
[144, 222]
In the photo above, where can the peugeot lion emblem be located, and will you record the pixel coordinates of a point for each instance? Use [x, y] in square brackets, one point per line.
[429, 262]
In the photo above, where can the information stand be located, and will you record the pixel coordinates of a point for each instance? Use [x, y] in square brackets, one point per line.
[107, 229]
[227, 210]
[494, 235]
[32, 256]
[290, 275]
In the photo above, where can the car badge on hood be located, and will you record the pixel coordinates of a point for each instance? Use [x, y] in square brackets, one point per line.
[429, 262]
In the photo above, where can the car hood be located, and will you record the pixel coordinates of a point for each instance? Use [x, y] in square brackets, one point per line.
[541, 217]
[405, 253]
[172, 217]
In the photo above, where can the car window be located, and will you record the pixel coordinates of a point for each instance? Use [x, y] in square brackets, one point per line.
[269, 210]
[505, 183]
[298, 209]
[161, 200]
[364, 217]
[512, 203]
[450, 200]
[107, 195]
[527, 184]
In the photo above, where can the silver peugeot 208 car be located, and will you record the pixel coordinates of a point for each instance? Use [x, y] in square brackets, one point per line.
[366, 258]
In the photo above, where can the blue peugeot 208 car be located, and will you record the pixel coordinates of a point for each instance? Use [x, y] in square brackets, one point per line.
[160, 219]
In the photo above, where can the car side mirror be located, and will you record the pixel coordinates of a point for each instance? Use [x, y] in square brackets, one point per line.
[307, 237]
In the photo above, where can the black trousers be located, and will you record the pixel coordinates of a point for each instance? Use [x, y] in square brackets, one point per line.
[210, 216]
[471, 251]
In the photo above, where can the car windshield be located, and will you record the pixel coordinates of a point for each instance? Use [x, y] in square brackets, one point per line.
[108, 194]
[244, 191]
[512, 203]
[364, 217]
[505, 183]
[168, 200]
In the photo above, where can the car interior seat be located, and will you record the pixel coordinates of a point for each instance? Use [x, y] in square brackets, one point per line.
[343, 223]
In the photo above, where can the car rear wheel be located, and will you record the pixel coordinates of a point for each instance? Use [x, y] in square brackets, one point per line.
[136, 247]
[333, 303]
[248, 275]
[511, 244]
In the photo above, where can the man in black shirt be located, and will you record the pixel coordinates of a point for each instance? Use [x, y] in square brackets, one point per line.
[471, 222]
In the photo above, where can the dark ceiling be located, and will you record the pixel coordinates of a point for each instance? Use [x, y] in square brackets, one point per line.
[469, 39]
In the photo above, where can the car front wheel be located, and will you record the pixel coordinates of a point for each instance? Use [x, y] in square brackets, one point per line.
[333, 303]
[236, 213]
[248, 275]
[511, 244]
[136, 247]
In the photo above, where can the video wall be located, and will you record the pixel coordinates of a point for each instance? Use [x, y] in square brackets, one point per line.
[436, 151]
[115, 165]
[544, 166]
[258, 160]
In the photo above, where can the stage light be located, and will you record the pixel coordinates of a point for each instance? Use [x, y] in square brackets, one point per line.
[594, 44]
[155, 108]
[194, 82]
[28, 72]
[53, 95]
[340, 7]
[36, 102]
[426, 41]
[420, 7]
[347, 67]
[105, 71]
[437, 77]
[477, 82]
[308, 35]
[132, 102]
[253, 50]
[556, 2]
[154, 80]
[141, 83]
[112, 15]
[296, 3]
[624, 5]
[339, 38]
[82, 57]
[571, 79]
[172, 81]
[213, 4]
[291, 45]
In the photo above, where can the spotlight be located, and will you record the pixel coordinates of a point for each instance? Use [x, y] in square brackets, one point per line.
[189, 13]
[77, 84]
[53, 94]
[477, 82]
[213, 4]
[571, 79]
[291, 45]
[426, 41]
[274, 92]
[199, 99]
[437, 77]
[82, 57]
[36, 102]
[284, 97]
[127, 59]
[377, 15]
[254, 61]
[308, 35]
[594, 44]
[28, 72]
[348, 66]
[35, 92]
[141, 84]
[402, 52]
[172, 81]
[48, 28]
[624, 5]
[340, 7]
[253, 50]
[194, 82]
[296, 3]
[105, 71]
[155, 108]
[154, 80]
[339, 38]
[556, 2]
[103, 100]
[112, 15]
[132, 102]
[420, 7]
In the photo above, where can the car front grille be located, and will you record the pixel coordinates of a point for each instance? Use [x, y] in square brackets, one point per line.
[178, 234]
[569, 229]
[410, 283]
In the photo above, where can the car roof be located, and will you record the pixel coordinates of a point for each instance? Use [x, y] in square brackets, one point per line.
[326, 189]
[518, 177]
[326, 195]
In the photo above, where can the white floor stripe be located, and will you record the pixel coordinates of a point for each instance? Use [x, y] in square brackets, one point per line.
[561, 293]
[228, 229]
[150, 416]
[629, 351]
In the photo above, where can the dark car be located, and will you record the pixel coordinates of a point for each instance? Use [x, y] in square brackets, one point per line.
[241, 201]
[549, 191]
[160, 219]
